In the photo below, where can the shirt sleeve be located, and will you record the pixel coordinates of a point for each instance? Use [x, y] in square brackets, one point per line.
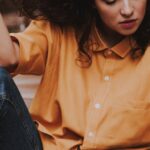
[33, 47]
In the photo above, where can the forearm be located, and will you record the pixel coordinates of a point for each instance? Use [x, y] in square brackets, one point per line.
[8, 49]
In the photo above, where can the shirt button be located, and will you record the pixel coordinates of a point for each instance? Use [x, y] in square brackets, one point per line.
[91, 134]
[107, 78]
[107, 52]
[97, 106]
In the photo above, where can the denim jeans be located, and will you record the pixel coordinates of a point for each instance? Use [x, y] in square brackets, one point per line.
[17, 130]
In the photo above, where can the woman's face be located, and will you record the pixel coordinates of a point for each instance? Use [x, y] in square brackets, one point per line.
[121, 16]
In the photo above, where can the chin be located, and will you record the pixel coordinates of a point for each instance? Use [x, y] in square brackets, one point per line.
[128, 32]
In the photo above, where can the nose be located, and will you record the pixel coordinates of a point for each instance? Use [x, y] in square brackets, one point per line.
[127, 9]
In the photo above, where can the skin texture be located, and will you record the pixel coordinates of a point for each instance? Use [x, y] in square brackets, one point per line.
[114, 12]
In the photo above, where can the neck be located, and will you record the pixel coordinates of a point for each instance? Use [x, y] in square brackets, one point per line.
[110, 37]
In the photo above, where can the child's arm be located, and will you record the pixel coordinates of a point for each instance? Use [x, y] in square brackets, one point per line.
[9, 50]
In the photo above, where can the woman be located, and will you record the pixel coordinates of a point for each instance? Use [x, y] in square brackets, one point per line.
[94, 94]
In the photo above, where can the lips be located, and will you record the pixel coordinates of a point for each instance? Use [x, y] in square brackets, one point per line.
[128, 24]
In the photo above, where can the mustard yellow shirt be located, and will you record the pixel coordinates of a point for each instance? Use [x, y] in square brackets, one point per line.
[103, 106]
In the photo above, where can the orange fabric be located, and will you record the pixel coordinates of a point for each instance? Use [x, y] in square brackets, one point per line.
[104, 106]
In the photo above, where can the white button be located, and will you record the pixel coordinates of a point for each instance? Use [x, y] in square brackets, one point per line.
[91, 134]
[97, 106]
[107, 52]
[107, 78]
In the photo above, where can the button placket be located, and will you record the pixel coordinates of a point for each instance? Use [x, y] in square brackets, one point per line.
[93, 111]
[97, 106]
[107, 80]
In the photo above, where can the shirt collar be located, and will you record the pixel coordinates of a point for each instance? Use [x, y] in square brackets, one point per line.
[96, 44]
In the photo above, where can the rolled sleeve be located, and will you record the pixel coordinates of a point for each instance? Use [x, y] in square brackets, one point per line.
[33, 45]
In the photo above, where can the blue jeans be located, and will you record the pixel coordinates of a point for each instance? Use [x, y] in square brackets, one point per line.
[17, 130]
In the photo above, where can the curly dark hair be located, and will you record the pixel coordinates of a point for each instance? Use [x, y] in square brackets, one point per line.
[79, 14]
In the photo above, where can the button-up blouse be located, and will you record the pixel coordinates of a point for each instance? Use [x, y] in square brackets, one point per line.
[103, 106]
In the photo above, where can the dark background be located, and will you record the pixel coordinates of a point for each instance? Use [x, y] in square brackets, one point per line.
[12, 18]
